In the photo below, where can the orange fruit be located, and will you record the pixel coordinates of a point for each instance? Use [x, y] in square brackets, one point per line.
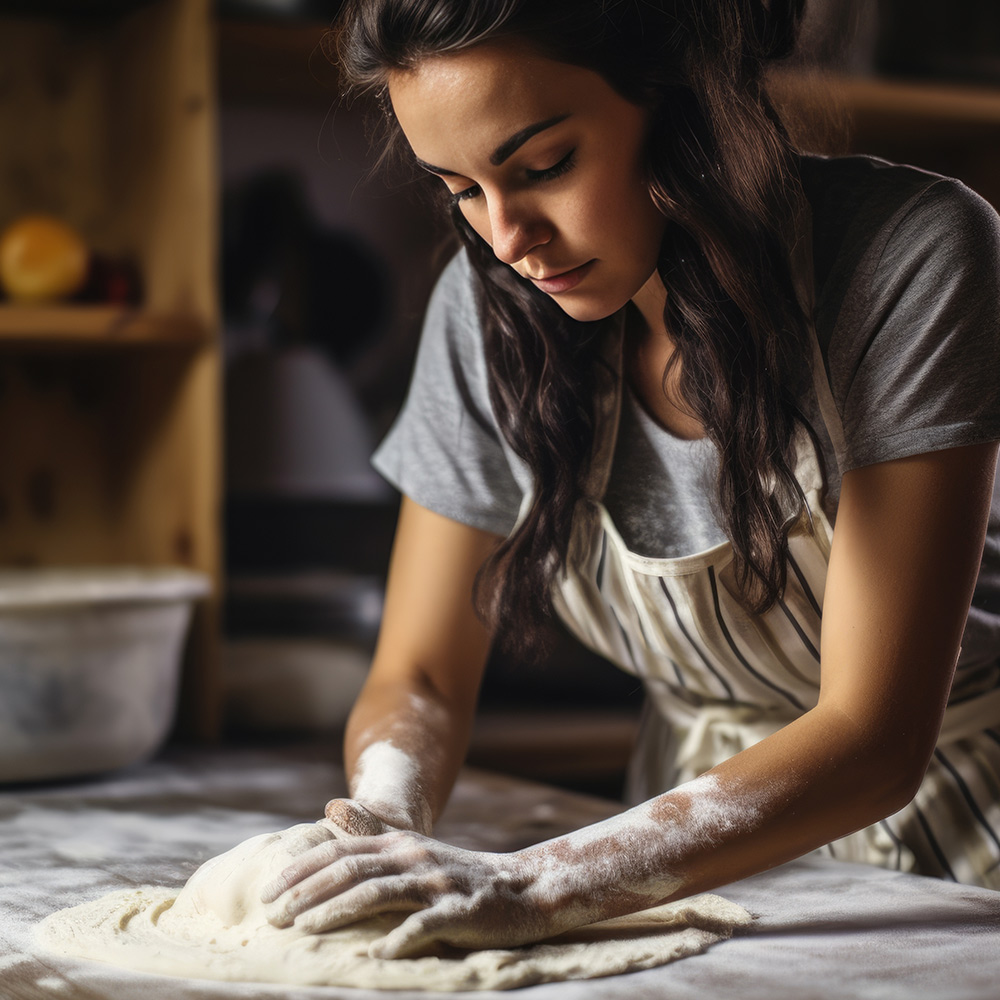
[42, 259]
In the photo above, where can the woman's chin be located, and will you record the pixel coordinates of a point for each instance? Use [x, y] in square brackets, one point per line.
[586, 312]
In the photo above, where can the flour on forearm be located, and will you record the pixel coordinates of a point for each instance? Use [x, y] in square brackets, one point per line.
[640, 854]
[386, 781]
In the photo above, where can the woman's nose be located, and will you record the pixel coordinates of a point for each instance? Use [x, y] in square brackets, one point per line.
[516, 229]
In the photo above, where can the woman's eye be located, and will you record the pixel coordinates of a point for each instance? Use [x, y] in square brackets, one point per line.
[549, 173]
[556, 170]
[469, 192]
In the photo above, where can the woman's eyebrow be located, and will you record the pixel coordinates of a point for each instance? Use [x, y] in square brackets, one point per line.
[508, 147]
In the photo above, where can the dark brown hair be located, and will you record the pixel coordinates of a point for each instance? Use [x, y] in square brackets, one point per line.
[722, 170]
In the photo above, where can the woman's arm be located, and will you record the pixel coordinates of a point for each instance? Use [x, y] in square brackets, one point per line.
[906, 554]
[409, 730]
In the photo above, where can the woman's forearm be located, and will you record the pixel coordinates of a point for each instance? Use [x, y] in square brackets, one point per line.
[815, 781]
[409, 730]
[403, 748]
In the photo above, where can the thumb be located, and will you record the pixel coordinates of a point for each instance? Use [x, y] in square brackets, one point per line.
[353, 819]
[413, 937]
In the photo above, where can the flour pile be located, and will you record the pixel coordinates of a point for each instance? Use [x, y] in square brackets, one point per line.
[216, 928]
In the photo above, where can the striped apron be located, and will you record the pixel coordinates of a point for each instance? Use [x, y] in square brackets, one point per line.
[718, 679]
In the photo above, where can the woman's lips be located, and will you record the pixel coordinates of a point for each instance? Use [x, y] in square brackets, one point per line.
[565, 281]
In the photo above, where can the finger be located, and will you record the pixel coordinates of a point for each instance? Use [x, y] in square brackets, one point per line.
[315, 860]
[416, 935]
[383, 895]
[305, 865]
[331, 881]
[338, 833]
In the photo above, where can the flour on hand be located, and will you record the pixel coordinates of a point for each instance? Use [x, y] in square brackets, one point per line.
[215, 927]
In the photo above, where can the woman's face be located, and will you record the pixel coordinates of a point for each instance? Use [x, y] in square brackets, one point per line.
[546, 162]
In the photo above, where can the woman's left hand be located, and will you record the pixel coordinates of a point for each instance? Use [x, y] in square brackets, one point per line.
[469, 899]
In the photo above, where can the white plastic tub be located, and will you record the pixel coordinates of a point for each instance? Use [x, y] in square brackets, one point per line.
[89, 666]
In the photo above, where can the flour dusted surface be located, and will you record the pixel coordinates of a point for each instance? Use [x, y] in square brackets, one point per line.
[216, 928]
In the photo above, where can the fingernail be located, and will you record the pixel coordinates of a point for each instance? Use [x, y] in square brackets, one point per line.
[277, 917]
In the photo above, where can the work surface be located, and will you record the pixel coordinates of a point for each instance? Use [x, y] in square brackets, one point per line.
[823, 929]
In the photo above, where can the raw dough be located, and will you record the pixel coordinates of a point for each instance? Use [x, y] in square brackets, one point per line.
[215, 928]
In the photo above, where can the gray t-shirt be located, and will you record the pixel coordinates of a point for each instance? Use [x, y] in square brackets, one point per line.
[907, 282]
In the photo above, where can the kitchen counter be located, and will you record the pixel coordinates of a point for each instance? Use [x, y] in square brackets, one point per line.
[824, 930]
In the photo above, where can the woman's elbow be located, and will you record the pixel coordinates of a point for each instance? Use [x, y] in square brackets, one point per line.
[898, 770]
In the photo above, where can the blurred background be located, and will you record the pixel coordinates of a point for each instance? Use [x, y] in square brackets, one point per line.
[226, 311]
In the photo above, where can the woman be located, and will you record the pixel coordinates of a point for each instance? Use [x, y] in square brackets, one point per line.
[670, 356]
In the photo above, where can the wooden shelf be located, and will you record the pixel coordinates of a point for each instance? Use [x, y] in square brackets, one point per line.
[56, 326]
[933, 105]
[894, 110]
[951, 129]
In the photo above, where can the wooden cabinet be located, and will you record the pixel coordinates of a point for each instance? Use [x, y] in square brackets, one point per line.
[109, 416]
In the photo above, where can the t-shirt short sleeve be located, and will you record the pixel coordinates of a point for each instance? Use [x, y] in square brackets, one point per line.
[914, 360]
[444, 450]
